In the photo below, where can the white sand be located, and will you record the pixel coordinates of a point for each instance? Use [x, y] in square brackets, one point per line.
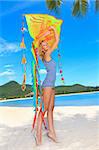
[77, 128]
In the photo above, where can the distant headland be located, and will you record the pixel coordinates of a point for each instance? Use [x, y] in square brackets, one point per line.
[12, 90]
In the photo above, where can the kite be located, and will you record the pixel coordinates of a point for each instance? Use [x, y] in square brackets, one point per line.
[38, 24]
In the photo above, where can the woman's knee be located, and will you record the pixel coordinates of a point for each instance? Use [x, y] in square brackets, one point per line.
[50, 108]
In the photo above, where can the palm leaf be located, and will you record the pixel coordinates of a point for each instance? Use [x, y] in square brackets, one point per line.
[97, 5]
[53, 4]
[80, 7]
[84, 7]
[76, 8]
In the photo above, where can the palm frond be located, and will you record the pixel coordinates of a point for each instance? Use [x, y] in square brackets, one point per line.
[80, 7]
[97, 5]
[76, 8]
[53, 4]
[84, 7]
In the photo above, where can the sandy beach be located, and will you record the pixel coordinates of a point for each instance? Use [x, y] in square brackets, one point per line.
[77, 128]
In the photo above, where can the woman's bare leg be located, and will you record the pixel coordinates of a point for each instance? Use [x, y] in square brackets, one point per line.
[51, 129]
[39, 131]
[46, 97]
[50, 112]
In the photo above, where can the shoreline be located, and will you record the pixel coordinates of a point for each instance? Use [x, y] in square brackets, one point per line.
[70, 94]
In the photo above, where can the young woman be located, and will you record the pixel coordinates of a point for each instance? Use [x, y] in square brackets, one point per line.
[47, 87]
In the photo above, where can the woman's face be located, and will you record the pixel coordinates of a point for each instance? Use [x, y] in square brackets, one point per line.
[44, 46]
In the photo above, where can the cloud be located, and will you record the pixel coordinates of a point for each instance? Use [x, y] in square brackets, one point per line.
[8, 66]
[43, 71]
[7, 47]
[8, 72]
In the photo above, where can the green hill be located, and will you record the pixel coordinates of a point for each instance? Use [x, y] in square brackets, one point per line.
[76, 88]
[12, 89]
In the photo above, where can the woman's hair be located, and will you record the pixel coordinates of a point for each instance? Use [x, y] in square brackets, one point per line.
[41, 54]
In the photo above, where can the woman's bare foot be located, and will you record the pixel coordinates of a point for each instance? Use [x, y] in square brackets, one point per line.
[52, 136]
[37, 139]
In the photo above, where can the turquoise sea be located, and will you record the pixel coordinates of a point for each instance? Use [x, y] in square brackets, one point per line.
[86, 99]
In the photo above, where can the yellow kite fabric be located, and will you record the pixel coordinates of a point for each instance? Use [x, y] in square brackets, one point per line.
[39, 23]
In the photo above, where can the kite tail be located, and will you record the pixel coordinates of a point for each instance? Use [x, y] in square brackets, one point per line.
[23, 47]
[34, 120]
[36, 89]
[35, 97]
[60, 68]
[43, 113]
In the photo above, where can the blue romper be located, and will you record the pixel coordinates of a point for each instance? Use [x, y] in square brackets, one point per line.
[51, 73]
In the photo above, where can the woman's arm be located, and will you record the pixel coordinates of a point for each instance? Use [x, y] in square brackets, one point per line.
[43, 34]
[56, 39]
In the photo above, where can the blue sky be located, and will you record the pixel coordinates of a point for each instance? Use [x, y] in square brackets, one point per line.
[79, 43]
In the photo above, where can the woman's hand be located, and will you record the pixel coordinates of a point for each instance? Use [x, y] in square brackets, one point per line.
[51, 28]
[47, 32]
[56, 38]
